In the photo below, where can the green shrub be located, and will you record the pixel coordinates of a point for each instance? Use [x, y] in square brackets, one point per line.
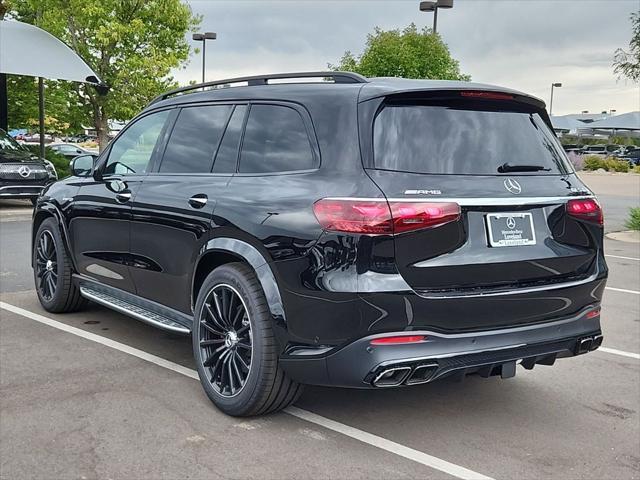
[636, 169]
[59, 161]
[633, 223]
[614, 165]
[594, 162]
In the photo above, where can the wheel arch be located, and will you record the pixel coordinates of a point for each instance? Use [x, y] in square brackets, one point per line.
[51, 211]
[222, 250]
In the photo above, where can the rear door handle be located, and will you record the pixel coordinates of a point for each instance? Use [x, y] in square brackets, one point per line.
[199, 200]
[123, 197]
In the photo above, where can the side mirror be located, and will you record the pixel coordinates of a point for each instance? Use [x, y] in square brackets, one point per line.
[82, 166]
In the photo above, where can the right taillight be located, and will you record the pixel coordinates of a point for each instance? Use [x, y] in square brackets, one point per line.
[379, 217]
[586, 209]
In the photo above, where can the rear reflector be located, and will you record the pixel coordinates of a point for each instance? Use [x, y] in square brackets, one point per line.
[398, 340]
[487, 95]
[593, 313]
[586, 209]
[377, 217]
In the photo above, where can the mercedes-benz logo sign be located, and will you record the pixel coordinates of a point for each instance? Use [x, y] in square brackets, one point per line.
[513, 186]
[511, 223]
[24, 171]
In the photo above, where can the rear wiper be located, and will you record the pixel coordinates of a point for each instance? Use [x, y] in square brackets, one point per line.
[508, 167]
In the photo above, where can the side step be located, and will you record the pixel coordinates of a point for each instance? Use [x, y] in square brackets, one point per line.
[132, 310]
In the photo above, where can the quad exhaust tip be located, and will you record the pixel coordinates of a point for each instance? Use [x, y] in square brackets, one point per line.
[391, 377]
[588, 344]
[394, 376]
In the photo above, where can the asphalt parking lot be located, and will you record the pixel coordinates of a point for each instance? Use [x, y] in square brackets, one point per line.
[99, 395]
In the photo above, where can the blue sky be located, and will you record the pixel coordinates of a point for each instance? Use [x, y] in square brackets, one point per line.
[522, 44]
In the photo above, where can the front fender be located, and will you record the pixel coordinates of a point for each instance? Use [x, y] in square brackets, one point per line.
[47, 209]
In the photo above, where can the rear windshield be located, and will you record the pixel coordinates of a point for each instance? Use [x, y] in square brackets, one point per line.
[441, 139]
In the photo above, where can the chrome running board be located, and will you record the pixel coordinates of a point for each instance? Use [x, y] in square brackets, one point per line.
[128, 308]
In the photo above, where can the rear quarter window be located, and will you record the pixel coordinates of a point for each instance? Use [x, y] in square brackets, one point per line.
[440, 139]
[275, 140]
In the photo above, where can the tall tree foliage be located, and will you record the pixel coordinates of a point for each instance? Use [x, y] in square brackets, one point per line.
[131, 44]
[405, 53]
[627, 64]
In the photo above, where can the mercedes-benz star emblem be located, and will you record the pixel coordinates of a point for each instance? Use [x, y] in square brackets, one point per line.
[24, 171]
[513, 186]
[511, 223]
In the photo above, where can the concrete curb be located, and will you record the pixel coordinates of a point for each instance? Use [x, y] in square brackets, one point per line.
[629, 236]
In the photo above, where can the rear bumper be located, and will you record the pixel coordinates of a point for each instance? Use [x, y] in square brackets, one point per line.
[496, 352]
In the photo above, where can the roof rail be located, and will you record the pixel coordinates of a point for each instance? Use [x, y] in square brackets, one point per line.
[338, 77]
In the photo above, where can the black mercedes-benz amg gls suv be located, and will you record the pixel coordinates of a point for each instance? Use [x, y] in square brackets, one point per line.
[340, 231]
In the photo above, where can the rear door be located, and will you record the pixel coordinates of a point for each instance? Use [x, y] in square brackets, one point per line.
[494, 173]
[172, 212]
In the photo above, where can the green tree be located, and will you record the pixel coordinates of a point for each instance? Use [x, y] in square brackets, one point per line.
[60, 115]
[131, 44]
[627, 64]
[407, 53]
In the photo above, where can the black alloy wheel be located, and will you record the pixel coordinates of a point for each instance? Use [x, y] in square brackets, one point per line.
[46, 265]
[226, 341]
[234, 345]
[53, 270]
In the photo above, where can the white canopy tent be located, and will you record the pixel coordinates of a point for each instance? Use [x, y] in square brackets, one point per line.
[626, 121]
[28, 50]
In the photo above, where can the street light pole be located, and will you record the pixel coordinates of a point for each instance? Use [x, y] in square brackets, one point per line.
[203, 37]
[435, 19]
[558, 85]
[204, 58]
[433, 6]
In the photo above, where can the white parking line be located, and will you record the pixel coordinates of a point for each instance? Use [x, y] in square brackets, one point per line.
[355, 433]
[623, 258]
[384, 444]
[622, 353]
[623, 290]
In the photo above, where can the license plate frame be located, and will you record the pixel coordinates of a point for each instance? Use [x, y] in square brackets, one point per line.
[515, 236]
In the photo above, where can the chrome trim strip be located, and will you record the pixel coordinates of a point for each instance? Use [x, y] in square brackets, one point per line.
[515, 291]
[21, 194]
[32, 187]
[129, 313]
[476, 201]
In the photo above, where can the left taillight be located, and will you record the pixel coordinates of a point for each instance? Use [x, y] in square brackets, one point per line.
[379, 217]
[586, 209]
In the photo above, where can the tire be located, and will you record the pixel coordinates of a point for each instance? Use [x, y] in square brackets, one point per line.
[266, 388]
[59, 294]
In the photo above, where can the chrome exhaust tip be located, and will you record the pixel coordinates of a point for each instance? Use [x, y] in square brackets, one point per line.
[422, 374]
[391, 377]
[584, 345]
[597, 341]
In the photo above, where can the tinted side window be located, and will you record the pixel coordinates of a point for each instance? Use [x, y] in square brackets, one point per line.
[227, 156]
[275, 140]
[194, 139]
[131, 152]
